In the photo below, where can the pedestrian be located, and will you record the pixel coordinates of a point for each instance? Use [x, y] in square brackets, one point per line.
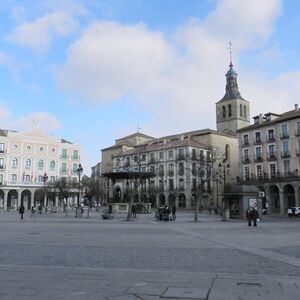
[21, 211]
[133, 211]
[173, 212]
[254, 216]
[32, 211]
[248, 216]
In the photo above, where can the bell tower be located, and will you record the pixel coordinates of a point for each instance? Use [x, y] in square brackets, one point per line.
[232, 110]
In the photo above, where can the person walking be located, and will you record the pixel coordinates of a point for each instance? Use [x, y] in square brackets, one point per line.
[133, 211]
[248, 216]
[173, 212]
[21, 211]
[32, 211]
[254, 216]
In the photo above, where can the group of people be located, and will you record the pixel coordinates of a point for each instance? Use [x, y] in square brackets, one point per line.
[164, 213]
[252, 216]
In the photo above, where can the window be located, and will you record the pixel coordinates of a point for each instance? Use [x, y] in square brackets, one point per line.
[171, 169]
[14, 162]
[64, 153]
[286, 167]
[161, 155]
[259, 171]
[52, 178]
[227, 152]
[40, 178]
[75, 154]
[271, 151]
[144, 157]
[27, 163]
[171, 184]
[284, 131]
[297, 128]
[181, 169]
[135, 158]
[229, 110]
[127, 161]
[161, 170]
[246, 155]
[272, 170]
[194, 169]
[40, 164]
[27, 178]
[241, 110]
[152, 169]
[152, 157]
[74, 168]
[171, 154]
[285, 149]
[271, 135]
[298, 147]
[1, 163]
[246, 140]
[14, 177]
[53, 150]
[64, 168]
[181, 153]
[224, 111]
[52, 165]
[257, 137]
[41, 149]
[15, 147]
[181, 183]
[1, 147]
[194, 154]
[258, 153]
[1, 178]
[245, 111]
[247, 173]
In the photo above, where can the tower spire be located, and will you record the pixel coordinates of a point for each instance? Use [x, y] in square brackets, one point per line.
[230, 54]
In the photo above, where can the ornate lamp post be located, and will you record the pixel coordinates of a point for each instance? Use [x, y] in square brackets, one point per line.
[79, 172]
[224, 168]
[45, 178]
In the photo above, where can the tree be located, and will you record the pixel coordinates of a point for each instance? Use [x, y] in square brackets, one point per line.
[201, 170]
[64, 188]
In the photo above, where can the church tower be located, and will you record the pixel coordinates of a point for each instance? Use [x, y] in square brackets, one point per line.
[232, 110]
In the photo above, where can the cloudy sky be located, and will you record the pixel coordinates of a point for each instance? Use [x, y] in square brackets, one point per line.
[92, 71]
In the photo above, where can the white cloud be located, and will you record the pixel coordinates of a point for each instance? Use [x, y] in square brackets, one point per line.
[43, 120]
[37, 35]
[177, 79]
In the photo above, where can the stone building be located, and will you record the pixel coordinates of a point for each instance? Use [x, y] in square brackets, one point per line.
[270, 158]
[29, 160]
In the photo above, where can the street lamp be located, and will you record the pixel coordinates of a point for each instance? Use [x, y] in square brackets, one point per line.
[79, 172]
[45, 178]
[224, 168]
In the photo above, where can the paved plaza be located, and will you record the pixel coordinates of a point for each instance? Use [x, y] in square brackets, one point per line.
[55, 256]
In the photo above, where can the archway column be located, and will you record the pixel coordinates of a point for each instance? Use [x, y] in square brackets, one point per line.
[56, 201]
[5, 200]
[18, 200]
[282, 201]
[297, 200]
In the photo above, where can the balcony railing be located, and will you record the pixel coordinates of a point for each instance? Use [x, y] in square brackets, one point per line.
[271, 156]
[171, 173]
[245, 143]
[246, 160]
[297, 132]
[284, 136]
[285, 154]
[258, 158]
[257, 142]
[180, 156]
[271, 139]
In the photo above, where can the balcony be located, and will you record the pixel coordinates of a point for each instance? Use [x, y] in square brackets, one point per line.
[284, 136]
[258, 158]
[246, 160]
[271, 157]
[171, 173]
[285, 154]
[257, 142]
[245, 143]
[271, 139]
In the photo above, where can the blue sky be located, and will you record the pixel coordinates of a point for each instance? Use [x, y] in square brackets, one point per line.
[91, 70]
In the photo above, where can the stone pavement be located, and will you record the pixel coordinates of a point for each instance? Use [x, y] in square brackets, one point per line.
[59, 257]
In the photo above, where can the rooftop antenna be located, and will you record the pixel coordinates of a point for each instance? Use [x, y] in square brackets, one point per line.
[230, 53]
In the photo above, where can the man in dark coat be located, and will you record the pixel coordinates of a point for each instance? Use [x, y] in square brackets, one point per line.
[21, 211]
[254, 216]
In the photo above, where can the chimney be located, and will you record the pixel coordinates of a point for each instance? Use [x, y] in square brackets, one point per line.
[260, 118]
[296, 107]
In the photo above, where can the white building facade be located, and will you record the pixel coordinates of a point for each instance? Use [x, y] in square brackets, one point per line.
[26, 160]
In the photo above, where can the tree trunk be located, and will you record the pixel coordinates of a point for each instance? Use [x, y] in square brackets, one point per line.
[196, 209]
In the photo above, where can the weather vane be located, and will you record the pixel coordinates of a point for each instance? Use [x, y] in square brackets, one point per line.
[230, 52]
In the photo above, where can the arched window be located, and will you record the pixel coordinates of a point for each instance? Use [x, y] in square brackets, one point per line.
[40, 164]
[224, 111]
[15, 162]
[52, 165]
[229, 110]
[227, 152]
[245, 111]
[241, 110]
[27, 163]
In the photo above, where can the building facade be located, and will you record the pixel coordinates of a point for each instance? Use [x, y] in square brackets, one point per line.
[270, 158]
[29, 161]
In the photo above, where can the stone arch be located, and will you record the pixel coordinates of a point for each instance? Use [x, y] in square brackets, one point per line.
[117, 193]
[26, 199]
[152, 199]
[12, 199]
[38, 198]
[289, 195]
[273, 194]
[172, 199]
[1, 199]
[182, 200]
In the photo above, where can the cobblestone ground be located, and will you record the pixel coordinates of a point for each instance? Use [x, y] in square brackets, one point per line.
[96, 254]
